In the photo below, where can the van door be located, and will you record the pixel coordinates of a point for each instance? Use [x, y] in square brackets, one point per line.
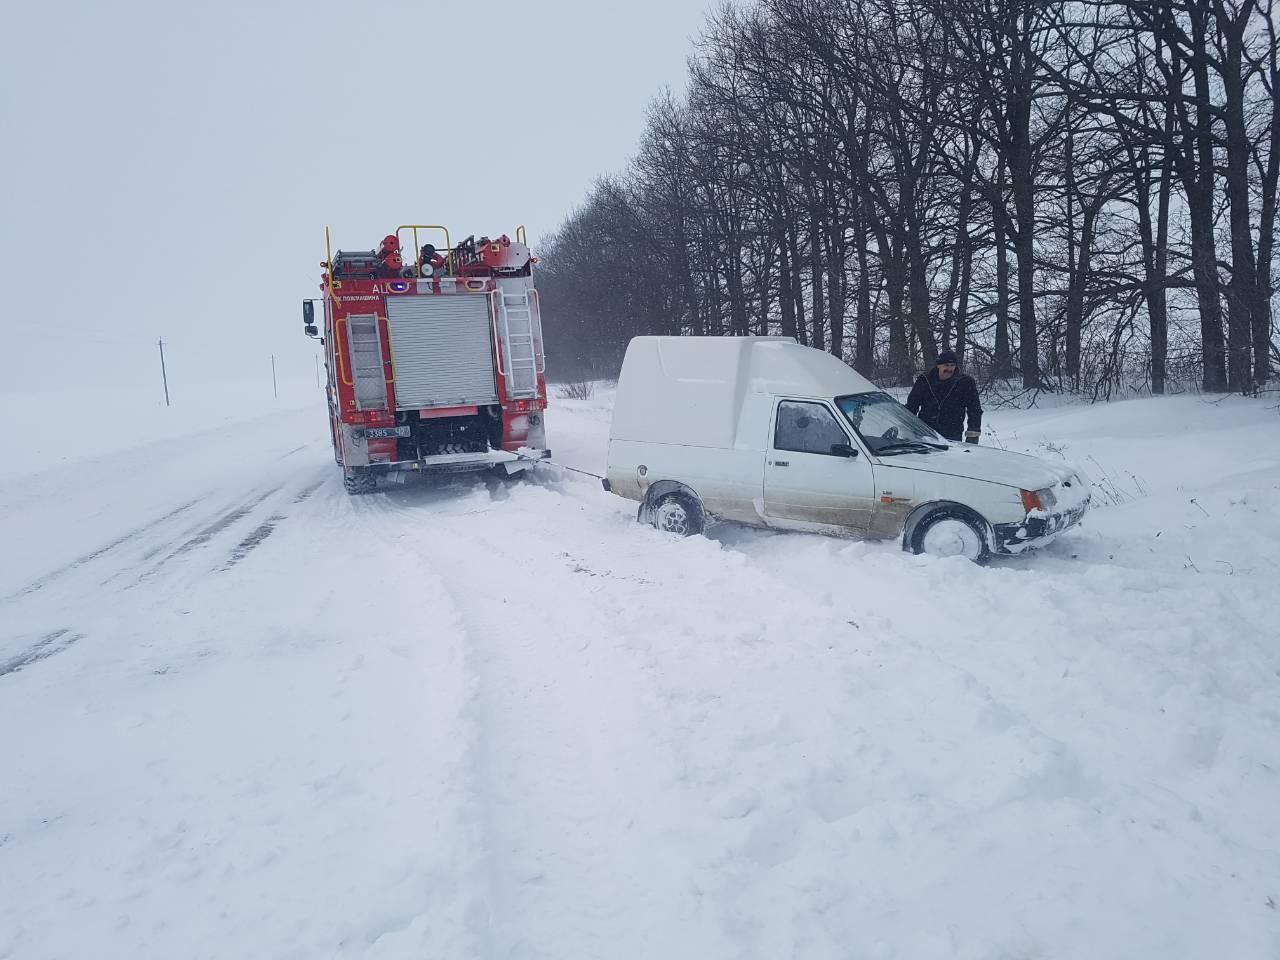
[804, 482]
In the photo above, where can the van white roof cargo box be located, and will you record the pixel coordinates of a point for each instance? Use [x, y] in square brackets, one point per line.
[692, 390]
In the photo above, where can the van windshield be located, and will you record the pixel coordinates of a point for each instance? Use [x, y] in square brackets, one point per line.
[883, 423]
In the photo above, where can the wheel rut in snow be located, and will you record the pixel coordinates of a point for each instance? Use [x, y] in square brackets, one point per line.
[42, 649]
[567, 741]
[102, 551]
[268, 526]
[306, 492]
[200, 534]
[491, 904]
[206, 533]
[254, 539]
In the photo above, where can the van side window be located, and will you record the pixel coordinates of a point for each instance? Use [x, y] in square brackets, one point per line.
[806, 428]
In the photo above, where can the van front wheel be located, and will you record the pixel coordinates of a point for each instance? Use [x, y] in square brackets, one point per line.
[949, 533]
[678, 514]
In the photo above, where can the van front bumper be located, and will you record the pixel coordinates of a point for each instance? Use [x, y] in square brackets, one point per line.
[1034, 532]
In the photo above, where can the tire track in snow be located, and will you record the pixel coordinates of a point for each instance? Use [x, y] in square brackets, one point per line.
[42, 649]
[267, 527]
[196, 530]
[306, 492]
[199, 536]
[569, 756]
[100, 552]
[253, 540]
[359, 784]
[207, 533]
[485, 908]
[201, 532]
[489, 906]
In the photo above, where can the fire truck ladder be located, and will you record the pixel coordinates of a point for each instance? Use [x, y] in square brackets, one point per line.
[519, 326]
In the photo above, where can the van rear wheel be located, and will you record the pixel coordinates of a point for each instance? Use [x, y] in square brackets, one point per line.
[678, 514]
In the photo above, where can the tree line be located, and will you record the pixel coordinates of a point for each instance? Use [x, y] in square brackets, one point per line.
[1077, 196]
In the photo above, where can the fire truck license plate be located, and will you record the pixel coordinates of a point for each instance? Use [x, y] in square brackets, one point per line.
[377, 433]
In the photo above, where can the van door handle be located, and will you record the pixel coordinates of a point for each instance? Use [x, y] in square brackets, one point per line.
[782, 463]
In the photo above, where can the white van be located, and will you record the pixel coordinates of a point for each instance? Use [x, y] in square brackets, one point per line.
[763, 431]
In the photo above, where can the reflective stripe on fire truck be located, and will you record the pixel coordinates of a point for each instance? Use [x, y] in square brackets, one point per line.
[441, 350]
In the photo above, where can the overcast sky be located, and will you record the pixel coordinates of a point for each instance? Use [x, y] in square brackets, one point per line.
[167, 168]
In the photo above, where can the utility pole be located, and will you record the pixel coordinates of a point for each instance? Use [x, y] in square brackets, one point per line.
[164, 376]
[274, 391]
[317, 360]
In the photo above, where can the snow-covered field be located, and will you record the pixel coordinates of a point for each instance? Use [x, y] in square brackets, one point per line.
[243, 715]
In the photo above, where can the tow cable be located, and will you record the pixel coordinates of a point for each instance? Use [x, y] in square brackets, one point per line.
[586, 473]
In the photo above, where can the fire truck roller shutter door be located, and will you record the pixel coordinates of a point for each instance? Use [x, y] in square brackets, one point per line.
[442, 350]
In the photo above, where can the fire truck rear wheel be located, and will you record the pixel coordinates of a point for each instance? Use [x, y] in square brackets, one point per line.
[360, 481]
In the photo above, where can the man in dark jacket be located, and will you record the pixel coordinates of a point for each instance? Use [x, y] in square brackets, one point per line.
[943, 396]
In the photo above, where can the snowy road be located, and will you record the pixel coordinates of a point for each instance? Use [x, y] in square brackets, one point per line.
[246, 715]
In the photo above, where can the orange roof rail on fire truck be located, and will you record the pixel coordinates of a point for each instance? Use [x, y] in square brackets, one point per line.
[434, 358]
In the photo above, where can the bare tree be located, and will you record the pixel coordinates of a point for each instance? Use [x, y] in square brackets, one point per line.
[1044, 186]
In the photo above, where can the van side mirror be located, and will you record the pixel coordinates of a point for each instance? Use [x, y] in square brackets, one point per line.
[843, 450]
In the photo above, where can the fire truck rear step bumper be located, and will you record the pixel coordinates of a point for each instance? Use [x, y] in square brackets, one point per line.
[462, 462]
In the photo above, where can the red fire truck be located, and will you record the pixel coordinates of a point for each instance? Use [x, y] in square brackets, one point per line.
[434, 357]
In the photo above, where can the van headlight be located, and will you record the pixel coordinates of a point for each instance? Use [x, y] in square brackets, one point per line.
[1034, 500]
